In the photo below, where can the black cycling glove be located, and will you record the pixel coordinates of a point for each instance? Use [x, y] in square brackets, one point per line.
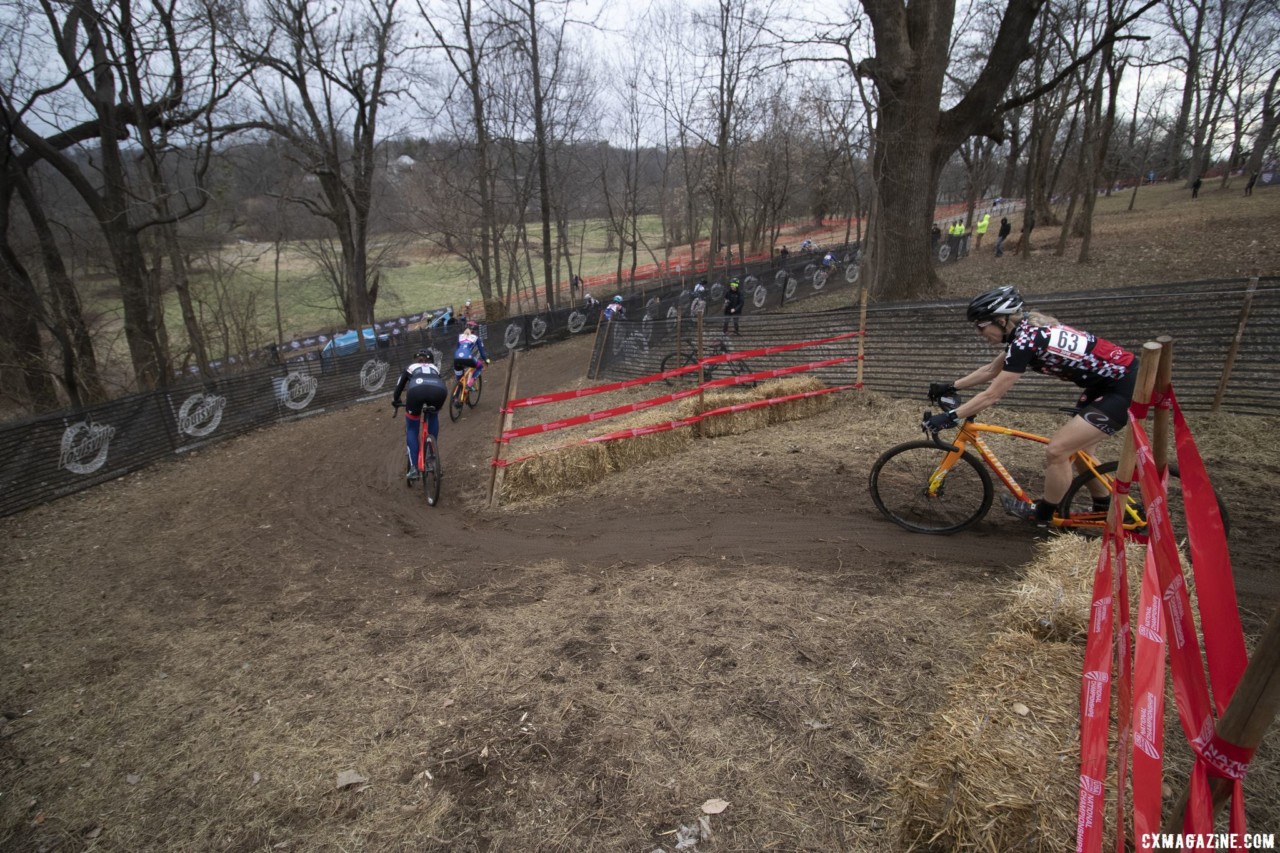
[940, 421]
[938, 390]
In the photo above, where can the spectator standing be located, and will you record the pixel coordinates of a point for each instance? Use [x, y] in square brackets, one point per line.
[784, 255]
[1002, 235]
[1253, 179]
[935, 237]
[733, 306]
[981, 229]
[1195, 187]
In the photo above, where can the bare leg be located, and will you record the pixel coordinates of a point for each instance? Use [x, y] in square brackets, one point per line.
[1076, 434]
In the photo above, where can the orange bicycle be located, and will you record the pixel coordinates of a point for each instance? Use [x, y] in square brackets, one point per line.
[938, 487]
[466, 392]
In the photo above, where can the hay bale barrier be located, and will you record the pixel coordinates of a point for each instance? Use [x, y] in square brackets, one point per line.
[575, 466]
[998, 769]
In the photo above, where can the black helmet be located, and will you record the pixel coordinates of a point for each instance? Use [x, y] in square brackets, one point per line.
[425, 355]
[1000, 302]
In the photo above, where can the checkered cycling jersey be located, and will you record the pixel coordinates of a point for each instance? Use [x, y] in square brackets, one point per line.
[1068, 354]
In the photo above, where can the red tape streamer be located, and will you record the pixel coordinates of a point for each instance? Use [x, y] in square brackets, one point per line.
[1166, 622]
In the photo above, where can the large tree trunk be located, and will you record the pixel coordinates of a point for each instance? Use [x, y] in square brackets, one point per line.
[915, 138]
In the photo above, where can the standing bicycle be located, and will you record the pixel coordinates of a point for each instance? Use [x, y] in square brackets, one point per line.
[688, 358]
[1105, 372]
[423, 392]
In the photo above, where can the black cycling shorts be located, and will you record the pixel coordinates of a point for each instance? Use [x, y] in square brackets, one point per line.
[461, 364]
[425, 391]
[1107, 406]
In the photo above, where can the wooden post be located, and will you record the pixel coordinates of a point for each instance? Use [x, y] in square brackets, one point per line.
[1147, 369]
[1163, 418]
[504, 424]
[602, 341]
[1235, 342]
[862, 337]
[678, 341]
[1252, 709]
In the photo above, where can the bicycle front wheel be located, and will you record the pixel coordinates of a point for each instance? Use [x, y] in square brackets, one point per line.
[473, 393]
[900, 488]
[455, 399]
[431, 473]
[1076, 507]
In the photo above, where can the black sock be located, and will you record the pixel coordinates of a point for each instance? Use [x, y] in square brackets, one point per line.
[1045, 510]
[1102, 504]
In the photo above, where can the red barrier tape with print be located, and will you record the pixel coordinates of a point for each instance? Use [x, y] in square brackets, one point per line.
[560, 397]
[628, 408]
[684, 422]
[1166, 623]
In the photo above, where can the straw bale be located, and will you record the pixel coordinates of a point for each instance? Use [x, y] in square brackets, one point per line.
[795, 410]
[629, 452]
[559, 470]
[988, 776]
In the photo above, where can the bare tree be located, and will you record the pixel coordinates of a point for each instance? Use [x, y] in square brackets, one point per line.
[96, 47]
[915, 135]
[323, 74]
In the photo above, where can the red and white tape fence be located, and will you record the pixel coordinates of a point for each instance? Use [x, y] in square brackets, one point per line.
[1166, 623]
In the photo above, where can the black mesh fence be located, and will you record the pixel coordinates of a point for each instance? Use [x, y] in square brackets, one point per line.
[906, 346]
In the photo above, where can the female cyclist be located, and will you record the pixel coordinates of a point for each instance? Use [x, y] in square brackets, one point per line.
[1106, 373]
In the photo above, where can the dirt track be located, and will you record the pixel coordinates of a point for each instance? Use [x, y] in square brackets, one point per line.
[306, 530]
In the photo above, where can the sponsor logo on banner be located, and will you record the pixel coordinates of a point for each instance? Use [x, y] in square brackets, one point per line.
[1096, 685]
[373, 374]
[1101, 610]
[299, 390]
[84, 447]
[1150, 627]
[1148, 727]
[1173, 600]
[1090, 794]
[201, 414]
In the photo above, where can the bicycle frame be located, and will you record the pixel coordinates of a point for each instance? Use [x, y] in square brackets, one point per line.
[970, 435]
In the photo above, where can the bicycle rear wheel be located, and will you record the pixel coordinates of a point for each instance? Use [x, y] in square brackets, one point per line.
[675, 360]
[430, 475]
[1077, 504]
[455, 398]
[900, 489]
[473, 393]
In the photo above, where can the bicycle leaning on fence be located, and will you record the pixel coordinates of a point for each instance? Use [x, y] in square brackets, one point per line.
[689, 358]
[466, 392]
[428, 465]
[930, 486]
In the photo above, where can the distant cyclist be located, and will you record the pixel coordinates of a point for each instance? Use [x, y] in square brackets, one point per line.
[426, 393]
[828, 260]
[615, 309]
[470, 352]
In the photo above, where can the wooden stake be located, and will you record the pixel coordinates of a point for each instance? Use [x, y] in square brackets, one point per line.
[1235, 342]
[862, 337]
[1161, 427]
[504, 424]
[1147, 369]
[1251, 712]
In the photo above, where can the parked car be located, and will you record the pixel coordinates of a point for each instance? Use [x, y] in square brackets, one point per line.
[347, 343]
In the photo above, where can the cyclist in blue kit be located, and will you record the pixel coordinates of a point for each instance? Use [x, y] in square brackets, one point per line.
[423, 390]
[469, 352]
[1106, 373]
